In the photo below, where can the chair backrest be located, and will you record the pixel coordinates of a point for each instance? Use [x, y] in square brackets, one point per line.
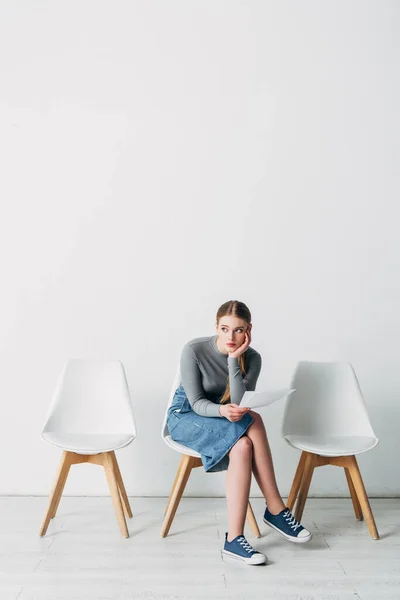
[327, 401]
[92, 396]
[175, 385]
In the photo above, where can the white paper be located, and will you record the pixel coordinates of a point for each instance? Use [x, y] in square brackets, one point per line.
[255, 399]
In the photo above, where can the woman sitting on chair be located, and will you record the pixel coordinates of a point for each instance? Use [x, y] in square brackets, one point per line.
[206, 416]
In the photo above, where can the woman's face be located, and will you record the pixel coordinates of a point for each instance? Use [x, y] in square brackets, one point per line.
[231, 330]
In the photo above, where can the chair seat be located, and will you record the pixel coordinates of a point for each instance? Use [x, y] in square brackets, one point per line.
[332, 445]
[88, 443]
[180, 447]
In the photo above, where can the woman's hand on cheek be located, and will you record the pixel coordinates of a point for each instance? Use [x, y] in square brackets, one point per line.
[243, 347]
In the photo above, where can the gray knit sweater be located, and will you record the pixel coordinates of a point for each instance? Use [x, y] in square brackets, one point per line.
[204, 371]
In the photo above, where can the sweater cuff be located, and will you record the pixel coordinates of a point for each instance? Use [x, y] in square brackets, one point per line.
[213, 411]
[232, 360]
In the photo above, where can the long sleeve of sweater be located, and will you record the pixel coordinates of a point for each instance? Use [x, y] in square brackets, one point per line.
[239, 384]
[191, 381]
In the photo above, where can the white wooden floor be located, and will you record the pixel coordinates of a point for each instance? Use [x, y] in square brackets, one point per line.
[83, 556]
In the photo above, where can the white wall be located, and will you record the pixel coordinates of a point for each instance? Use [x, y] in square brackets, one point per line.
[159, 158]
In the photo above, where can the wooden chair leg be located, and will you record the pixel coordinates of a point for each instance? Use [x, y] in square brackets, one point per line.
[66, 461]
[122, 490]
[111, 475]
[294, 490]
[177, 476]
[185, 467]
[252, 522]
[358, 483]
[305, 485]
[354, 499]
[60, 490]
[173, 488]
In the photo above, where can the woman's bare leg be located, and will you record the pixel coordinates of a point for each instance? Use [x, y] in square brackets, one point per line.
[263, 467]
[238, 479]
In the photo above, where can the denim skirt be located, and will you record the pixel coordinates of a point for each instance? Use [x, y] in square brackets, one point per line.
[211, 437]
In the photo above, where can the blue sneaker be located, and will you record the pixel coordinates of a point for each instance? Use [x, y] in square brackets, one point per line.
[286, 524]
[240, 549]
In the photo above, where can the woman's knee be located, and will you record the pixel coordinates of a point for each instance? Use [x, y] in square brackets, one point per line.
[257, 420]
[256, 416]
[243, 447]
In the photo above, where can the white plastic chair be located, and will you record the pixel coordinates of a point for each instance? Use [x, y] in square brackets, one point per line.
[90, 417]
[326, 417]
[190, 460]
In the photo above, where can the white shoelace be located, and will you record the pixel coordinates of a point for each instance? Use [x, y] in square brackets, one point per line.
[243, 542]
[291, 520]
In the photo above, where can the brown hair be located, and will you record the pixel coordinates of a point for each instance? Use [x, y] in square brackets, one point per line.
[236, 309]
